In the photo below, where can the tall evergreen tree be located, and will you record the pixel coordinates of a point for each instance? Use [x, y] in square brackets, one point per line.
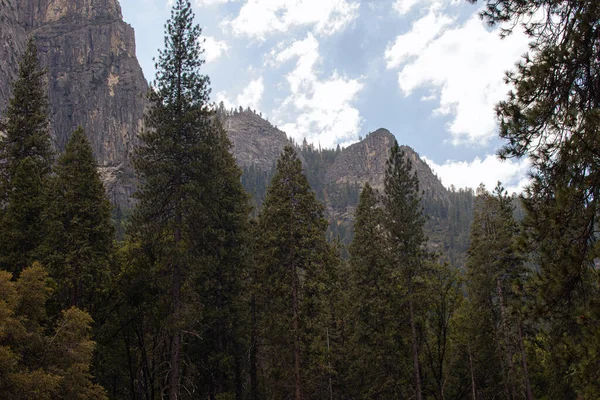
[493, 268]
[552, 117]
[190, 222]
[26, 154]
[221, 228]
[404, 222]
[78, 243]
[375, 323]
[169, 165]
[293, 259]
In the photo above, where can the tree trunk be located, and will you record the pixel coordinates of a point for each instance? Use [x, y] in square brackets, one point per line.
[415, 349]
[253, 350]
[473, 384]
[176, 338]
[528, 391]
[507, 347]
[219, 386]
[296, 327]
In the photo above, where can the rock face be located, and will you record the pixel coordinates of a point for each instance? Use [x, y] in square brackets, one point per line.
[13, 38]
[255, 141]
[94, 78]
[365, 162]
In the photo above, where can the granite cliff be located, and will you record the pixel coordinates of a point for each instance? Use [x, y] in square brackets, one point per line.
[94, 78]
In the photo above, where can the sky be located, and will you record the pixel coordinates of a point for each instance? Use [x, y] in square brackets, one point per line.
[331, 71]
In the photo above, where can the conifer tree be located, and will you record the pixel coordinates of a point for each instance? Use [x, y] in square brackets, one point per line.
[375, 321]
[169, 165]
[79, 236]
[27, 158]
[493, 268]
[552, 118]
[404, 222]
[190, 221]
[293, 259]
[221, 228]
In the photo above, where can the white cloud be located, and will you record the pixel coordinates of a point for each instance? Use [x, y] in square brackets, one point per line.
[200, 3]
[322, 108]
[466, 63]
[490, 170]
[411, 44]
[403, 7]
[213, 48]
[251, 96]
[260, 18]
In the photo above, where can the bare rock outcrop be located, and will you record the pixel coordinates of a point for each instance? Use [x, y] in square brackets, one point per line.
[94, 78]
[365, 161]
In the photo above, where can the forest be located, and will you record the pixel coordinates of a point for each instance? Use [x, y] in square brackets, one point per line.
[206, 291]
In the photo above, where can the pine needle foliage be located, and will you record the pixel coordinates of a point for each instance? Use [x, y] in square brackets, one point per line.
[26, 154]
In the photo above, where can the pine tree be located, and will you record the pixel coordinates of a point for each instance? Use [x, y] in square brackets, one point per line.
[79, 236]
[493, 268]
[293, 259]
[190, 222]
[169, 165]
[404, 222]
[27, 158]
[375, 323]
[552, 117]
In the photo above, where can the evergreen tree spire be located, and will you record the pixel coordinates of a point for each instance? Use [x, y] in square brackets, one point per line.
[26, 156]
[191, 218]
[79, 236]
[404, 221]
[293, 262]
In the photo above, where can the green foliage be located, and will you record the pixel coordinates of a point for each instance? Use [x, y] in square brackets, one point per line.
[188, 232]
[293, 266]
[494, 272]
[552, 116]
[36, 360]
[401, 305]
[78, 242]
[377, 323]
[27, 157]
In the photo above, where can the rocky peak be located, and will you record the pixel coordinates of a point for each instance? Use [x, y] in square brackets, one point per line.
[365, 162]
[255, 141]
[94, 78]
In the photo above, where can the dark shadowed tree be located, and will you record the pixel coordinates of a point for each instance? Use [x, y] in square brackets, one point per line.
[78, 243]
[26, 155]
[293, 265]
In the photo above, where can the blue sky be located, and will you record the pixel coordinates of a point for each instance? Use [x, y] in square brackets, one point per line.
[430, 71]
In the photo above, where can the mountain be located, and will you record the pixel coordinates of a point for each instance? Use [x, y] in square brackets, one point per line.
[94, 78]
[365, 162]
[338, 175]
[255, 141]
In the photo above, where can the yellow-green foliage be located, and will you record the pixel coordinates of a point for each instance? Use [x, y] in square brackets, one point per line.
[37, 362]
